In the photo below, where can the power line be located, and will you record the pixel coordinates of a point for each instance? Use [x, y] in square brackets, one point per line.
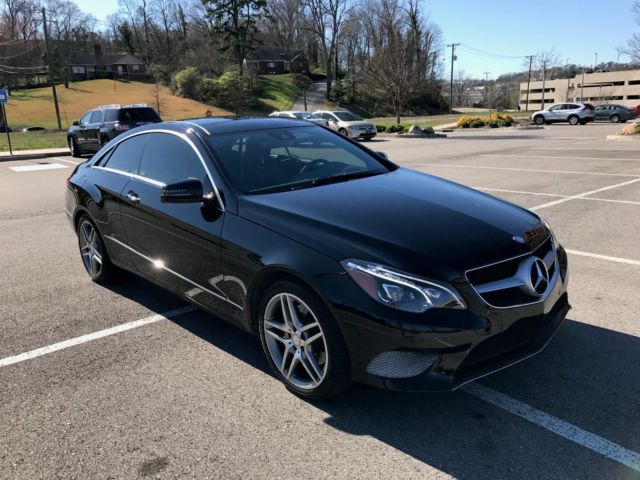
[476, 51]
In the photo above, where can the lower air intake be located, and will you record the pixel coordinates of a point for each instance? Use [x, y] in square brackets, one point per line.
[400, 364]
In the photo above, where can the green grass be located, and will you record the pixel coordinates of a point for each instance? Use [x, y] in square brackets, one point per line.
[277, 92]
[422, 121]
[34, 140]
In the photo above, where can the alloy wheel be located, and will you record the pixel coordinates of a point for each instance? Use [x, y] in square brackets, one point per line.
[295, 341]
[90, 248]
[72, 147]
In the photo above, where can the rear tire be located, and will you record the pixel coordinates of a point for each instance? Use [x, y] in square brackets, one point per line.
[290, 315]
[93, 251]
[539, 120]
[615, 118]
[74, 148]
[574, 120]
[343, 131]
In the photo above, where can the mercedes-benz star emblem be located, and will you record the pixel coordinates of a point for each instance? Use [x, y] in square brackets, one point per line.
[539, 277]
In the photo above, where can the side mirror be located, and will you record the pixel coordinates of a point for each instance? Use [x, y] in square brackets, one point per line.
[183, 191]
[76, 123]
[383, 155]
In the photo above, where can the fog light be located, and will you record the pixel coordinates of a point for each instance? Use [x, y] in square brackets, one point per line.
[401, 364]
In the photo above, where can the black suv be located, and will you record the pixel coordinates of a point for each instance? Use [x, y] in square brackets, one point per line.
[98, 126]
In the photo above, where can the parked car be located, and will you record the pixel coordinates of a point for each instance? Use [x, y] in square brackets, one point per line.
[575, 113]
[614, 113]
[636, 109]
[347, 266]
[32, 129]
[301, 116]
[103, 123]
[348, 124]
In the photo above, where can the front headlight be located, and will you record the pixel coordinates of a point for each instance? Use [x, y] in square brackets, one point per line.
[399, 290]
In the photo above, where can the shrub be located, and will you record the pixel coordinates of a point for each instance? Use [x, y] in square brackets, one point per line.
[301, 81]
[507, 123]
[396, 129]
[381, 128]
[465, 125]
[493, 124]
[187, 83]
[477, 123]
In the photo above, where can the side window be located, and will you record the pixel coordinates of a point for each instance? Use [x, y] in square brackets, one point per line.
[96, 116]
[168, 158]
[111, 115]
[126, 157]
[85, 119]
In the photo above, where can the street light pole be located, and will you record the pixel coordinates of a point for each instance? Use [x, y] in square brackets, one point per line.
[453, 57]
[51, 73]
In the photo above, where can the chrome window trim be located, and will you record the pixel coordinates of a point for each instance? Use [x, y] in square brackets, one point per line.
[553, 281]
[195, 125]
[132, 175]
[155, 182]
[168, 270]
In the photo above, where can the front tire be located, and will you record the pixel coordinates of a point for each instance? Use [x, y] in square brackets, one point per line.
[538, 120]
[302, 342]
[343, 131]
[574, 120]
[74, 148]
[615, 119]
[93, 251]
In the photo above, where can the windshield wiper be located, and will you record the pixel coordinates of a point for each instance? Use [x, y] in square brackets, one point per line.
[341, 177]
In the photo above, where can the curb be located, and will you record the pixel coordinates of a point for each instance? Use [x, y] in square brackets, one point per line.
[404, 135]
[623, 138]
[32, 156]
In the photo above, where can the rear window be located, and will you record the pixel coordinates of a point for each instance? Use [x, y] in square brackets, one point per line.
[138, 115]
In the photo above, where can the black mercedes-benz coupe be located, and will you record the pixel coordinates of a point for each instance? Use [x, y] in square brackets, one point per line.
[347, 266]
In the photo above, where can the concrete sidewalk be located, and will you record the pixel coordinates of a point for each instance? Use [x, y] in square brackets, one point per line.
[30, 154]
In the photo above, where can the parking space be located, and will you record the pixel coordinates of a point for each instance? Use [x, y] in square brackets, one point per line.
[136, 394]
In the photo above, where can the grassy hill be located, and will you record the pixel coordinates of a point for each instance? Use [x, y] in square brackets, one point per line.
[277, 92]
[35, 107]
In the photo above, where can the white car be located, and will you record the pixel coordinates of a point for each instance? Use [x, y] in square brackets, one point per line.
[301, 116]
[348, 124]
[573, 112]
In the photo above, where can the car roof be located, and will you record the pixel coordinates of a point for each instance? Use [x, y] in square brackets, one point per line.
[212, 126]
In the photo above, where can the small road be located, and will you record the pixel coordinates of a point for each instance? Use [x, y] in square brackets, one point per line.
[316, 98]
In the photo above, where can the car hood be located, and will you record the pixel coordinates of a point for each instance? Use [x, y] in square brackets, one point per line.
[404, 219]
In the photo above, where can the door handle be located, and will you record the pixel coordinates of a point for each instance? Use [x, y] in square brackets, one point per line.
[133, 197]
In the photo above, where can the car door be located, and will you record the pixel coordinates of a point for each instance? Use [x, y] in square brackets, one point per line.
[110, 176]
[601, 112]
[176, 245]
[81, 132]
[92, 132]
[555, 113]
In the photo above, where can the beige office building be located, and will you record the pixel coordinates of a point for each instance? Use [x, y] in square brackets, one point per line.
[622, 88]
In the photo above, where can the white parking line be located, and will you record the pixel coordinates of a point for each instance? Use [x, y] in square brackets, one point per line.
[628, 261]
[562, 158]
[522, 192]
[569, 172]
[567, 430]
[36, 167]
[592, 149]
[93, 336]
[580, 195]
[68, 161]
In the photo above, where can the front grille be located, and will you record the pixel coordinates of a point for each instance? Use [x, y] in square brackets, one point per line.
[509, 283]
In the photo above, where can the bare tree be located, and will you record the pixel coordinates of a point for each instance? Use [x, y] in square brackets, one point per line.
[632, 48]
[460, 86]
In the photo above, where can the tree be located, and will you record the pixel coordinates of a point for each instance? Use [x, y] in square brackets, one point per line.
[632, 49]
[235, 20]
[460, 86]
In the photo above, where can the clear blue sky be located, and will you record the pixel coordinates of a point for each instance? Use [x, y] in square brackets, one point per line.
[512, 28]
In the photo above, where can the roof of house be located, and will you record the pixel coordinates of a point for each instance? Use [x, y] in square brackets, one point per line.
[267, 54]
[84, 58]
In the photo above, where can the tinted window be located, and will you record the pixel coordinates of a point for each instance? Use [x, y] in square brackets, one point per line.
[347, 116]
[138, 115]
[279, 159]
[96, 116]
[111, 115]
[168, 158]
[126, 156]
[85, 119]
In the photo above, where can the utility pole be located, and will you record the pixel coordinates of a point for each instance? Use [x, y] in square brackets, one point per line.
[453, 57]
[544, 79]
[530, 57]
[486, 88]
[51, 74]
[618, 61]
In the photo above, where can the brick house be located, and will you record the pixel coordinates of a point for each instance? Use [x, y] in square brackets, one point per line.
[270, 61]
[87, 66]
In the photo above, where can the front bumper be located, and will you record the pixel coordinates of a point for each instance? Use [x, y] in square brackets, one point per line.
[448, 347]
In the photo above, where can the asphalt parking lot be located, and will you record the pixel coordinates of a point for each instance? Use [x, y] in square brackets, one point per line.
[131, 393]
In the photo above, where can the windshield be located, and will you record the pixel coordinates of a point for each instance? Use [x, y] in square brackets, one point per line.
[347, 116]
[305, 116]
[281, 159]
